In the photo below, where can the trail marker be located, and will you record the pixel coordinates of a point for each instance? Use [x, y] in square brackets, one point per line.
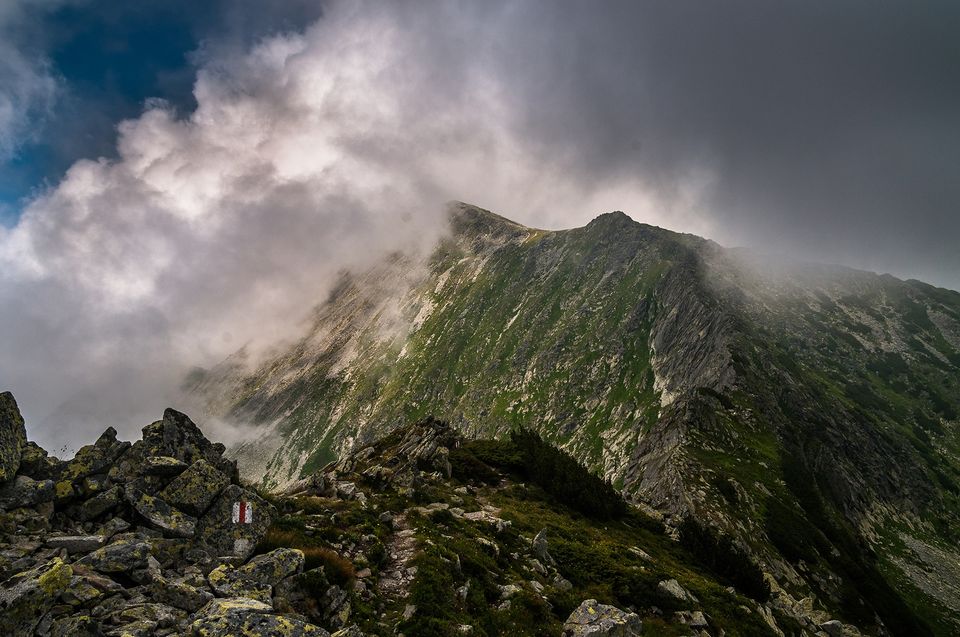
[242, 512]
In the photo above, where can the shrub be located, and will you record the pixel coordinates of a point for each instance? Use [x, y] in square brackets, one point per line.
[338, 570]
[560, 475]
[790, 532]
[723, 557]
[468, 468]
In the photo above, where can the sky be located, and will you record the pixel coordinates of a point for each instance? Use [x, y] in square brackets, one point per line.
[179, 179]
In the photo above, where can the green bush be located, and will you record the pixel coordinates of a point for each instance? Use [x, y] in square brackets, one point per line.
[724, 558]
[560, 475]
[790, 532]
[467, 467]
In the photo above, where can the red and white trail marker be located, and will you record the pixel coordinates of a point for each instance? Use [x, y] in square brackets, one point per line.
[242, 512]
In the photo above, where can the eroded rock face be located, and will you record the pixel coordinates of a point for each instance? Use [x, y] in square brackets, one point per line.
[600, 620]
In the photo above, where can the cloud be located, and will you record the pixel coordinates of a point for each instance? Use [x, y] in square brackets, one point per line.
[311, 153]
[811, 130]
[28, 87]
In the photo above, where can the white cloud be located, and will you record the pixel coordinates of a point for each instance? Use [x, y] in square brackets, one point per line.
[311, 153]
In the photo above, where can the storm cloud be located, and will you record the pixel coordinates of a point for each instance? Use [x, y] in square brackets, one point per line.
[825, 131]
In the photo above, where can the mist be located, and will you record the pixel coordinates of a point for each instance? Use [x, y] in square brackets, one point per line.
[809, 131]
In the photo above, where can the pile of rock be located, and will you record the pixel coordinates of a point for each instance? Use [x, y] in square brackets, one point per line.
[149, 538]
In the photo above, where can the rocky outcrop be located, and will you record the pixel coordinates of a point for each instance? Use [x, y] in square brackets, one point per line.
[135, 539]
[591, 619]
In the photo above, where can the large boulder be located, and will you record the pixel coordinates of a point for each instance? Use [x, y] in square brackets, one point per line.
[26, 596]
[671, 588]
[195, 489]
[100, 504]
[161, 515]
[256, 578]
[179, 594]
[242, 616]
[119, 557]
[163, 466]
[96, 458]
[37, 464]
[76, 543]
[221, 530]
[25, 492]
[600, 620]
[76, 626]
[13, 437]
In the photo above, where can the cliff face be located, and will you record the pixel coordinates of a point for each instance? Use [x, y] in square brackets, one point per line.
[807, 411]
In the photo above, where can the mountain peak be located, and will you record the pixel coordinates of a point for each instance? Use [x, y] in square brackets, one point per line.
[471, 220]
[613, 219]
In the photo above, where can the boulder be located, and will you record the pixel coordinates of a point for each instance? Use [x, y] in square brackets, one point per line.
[179, 594]
[146, 618]
[242, 616]
[195, 489]
[256, 578]
[100, 504]
[671, 588]
[601, 620]
[833, 628]
[96, 458]
[694, 619]
[26, 596]
[224, 534]
[36, 464]
[119, 557]
[25, 492]
[75, 626]
[76, 543]
[13, 437]
[540, 548]
[164, 466]
[161, 515]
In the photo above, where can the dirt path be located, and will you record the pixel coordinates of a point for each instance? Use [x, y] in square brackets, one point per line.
[396, 578]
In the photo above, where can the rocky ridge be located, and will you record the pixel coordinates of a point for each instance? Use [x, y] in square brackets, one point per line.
[419, 533]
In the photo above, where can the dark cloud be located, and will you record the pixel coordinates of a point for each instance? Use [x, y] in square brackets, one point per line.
[830, 130]
[288, 150]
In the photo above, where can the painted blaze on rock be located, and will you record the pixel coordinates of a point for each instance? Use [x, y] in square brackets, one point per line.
[243, 512]
[220, 529]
